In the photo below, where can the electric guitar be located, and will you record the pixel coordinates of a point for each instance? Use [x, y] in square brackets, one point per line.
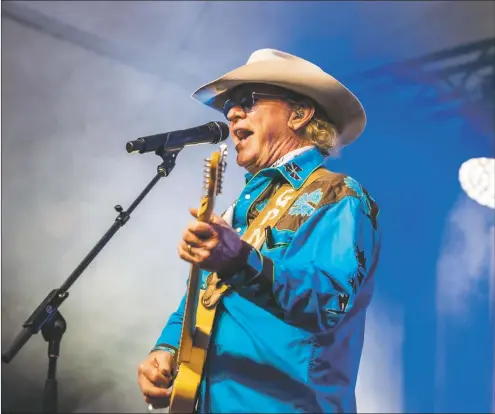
[198, 320]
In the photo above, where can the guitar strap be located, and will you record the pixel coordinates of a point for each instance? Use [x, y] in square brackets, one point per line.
[278, 205]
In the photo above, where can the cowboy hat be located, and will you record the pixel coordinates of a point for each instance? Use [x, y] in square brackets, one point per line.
[278, 68]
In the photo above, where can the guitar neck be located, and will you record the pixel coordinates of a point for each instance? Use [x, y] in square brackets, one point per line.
[193, 288]
[193, 343]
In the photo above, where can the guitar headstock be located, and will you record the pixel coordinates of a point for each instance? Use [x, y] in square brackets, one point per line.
[215, 167]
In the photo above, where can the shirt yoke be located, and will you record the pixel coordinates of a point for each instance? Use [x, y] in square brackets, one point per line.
[329, 189]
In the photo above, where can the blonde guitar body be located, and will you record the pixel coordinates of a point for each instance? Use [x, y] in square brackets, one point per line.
[189, 375]
[198, 320]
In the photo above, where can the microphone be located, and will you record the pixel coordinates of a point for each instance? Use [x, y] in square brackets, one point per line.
[210, 133]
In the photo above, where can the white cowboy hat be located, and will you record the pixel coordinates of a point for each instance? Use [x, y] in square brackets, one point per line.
[278, 68]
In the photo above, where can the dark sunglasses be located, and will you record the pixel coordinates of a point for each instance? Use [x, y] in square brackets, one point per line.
[248, 100]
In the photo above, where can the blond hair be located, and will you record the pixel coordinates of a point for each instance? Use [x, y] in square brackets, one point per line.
[320, 131]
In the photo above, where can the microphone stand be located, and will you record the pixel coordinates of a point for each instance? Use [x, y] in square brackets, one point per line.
[48, 318]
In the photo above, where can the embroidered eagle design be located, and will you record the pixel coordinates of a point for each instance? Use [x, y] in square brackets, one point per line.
[306, 204]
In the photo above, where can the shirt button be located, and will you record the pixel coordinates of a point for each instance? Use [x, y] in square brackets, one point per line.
[238, 229]
[247, 196]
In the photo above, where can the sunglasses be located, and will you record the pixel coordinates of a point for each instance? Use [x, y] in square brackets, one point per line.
[248, 100]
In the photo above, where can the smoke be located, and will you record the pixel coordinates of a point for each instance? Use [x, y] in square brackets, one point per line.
[379, 387]
[465, 281]
[67, 112]
[465, 271]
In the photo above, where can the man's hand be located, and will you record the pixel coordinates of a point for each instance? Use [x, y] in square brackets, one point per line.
[214, 247]
[155, 375]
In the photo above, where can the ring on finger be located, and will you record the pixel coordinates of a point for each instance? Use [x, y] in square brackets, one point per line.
[189, 248]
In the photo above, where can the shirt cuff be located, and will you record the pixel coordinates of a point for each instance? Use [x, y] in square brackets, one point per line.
[255, 261]
[250, 265]
[240, 264]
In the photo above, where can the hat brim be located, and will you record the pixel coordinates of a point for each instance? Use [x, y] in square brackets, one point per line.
[340, 104]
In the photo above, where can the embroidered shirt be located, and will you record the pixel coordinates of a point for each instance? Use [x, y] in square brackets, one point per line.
[228, 215]
[291, 341]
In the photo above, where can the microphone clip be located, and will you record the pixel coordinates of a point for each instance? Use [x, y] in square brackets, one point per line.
[169, 158]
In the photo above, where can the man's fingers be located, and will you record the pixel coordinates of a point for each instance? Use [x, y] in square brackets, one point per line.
[165, 362]
[192, 254]
[152, 374]
[158, 389]
[201, 229]
[156, 392]
[190, 238]
[214, 218]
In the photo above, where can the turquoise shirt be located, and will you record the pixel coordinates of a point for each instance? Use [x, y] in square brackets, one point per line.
[290, 339]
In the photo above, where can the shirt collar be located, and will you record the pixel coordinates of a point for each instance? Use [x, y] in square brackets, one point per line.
[295, 166]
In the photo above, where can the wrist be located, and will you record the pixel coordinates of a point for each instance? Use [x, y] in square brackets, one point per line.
[165, 347]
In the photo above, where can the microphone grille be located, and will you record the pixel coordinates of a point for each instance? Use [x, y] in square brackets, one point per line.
[222, 131]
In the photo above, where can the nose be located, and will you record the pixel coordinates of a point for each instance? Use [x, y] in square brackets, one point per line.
[236, 112]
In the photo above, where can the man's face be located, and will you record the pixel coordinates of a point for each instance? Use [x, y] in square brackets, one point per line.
[260, 131]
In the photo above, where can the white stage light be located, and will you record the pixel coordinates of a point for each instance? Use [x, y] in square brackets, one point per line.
[477, 178]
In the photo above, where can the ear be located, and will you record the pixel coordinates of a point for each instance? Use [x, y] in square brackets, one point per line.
[301, 117]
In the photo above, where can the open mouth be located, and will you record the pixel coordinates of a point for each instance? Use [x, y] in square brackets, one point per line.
[243, 134]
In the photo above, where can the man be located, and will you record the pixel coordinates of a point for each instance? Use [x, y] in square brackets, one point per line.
[288, 336]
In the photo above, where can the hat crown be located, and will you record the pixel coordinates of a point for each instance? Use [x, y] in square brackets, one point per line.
[263, 55]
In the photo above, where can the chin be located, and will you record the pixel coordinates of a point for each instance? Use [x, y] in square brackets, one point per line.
[245, 161]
